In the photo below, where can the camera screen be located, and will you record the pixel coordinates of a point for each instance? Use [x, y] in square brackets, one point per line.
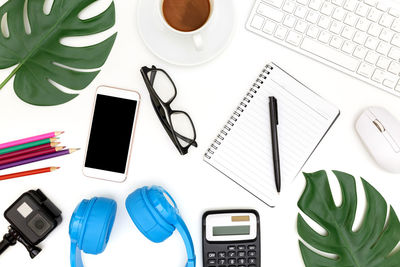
[111, 132]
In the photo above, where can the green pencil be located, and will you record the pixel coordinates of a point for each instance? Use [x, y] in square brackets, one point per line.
[27, 145]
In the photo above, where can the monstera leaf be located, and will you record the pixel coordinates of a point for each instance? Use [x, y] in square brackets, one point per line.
[372, 245]
[32, 43]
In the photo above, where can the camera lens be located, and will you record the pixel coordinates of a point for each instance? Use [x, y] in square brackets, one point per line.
[39, 225]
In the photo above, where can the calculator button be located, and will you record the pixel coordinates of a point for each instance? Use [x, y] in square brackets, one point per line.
[251, 247]
[242, 266]
[231, 248]
[241, 247]
[241, 254]
[252, 265]
[212, 261]
[221, 261]
[211, 254]
[232, 261]
[251, 253]
[252, 260]
[221, 254]
[241, 261]
[231, 254]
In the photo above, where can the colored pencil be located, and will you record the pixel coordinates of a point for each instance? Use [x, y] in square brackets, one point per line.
[27, 145]
[30, 139]
[26, 173]
[32, 155]
[39, 158]
[28, 150]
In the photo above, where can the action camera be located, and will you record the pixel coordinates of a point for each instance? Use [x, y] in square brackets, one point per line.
[32, 217]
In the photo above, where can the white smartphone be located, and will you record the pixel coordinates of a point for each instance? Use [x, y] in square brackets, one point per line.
[113, 124]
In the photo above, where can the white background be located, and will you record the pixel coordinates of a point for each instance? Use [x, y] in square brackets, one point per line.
[209, 94]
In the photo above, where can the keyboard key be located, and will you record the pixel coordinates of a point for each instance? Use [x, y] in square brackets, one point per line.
[281, 32]
[294, 38]
[383, 62]
[360, 38]
[350, 5]
[351, 19]
[315, 4]
[257, 22]
[396, 25]
[269, 27]
[390, 83]
[289, 6]
[371, 43]
[336, 42]
[270, 12]
[386, 35]
[396, 40]
[324, 22]
[372, 57]
[374, 15]
[363, 25]
[375, 30]
[348, 32]
[383, 48]
[386, 20]
[339, 14]
[336, 27]
[394, 68]
[275, 3]
[383, 6]
[324, 37]
[394, 12]
[365, 69]
[289, 21]
[312, 17]
[378, 76]
[394, 53]
[348, 47]
[301, 12]
[360, 52]
[362, 10]
[327, 8]
[313, 31]
[329, 54]
[301, 26]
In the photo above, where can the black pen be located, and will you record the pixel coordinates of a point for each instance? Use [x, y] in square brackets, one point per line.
[273, 113]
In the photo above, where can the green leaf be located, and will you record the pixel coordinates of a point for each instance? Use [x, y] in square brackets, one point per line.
[39, 55]
[372, 245]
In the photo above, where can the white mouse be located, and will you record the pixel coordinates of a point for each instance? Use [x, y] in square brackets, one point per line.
[380, 132]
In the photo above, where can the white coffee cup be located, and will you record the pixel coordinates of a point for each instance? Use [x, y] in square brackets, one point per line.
[197, 35]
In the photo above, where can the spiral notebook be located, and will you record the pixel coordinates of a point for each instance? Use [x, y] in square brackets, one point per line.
[242, 150]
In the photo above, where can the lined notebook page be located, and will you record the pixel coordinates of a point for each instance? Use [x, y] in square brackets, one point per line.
[245, 153]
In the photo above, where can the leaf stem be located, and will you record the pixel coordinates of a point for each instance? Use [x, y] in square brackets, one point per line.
[10, 76]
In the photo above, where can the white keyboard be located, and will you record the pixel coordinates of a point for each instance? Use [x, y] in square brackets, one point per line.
[360, 38]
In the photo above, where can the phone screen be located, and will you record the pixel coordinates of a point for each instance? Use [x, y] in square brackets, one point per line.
[111, 132]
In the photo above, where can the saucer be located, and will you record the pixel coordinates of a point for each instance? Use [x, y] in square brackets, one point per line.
[180, 50]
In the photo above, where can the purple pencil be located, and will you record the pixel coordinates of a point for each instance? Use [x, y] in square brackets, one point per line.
[39, 158]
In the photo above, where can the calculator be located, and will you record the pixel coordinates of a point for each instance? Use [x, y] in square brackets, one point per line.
[231, 238]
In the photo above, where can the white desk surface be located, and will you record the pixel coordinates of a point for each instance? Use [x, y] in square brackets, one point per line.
[208, 93]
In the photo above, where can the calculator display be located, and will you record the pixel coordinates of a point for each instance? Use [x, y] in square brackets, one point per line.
[231, 230]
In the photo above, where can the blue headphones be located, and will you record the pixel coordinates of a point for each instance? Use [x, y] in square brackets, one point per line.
[152, 209]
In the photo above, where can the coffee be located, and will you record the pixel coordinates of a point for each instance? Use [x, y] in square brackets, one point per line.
[186, 15]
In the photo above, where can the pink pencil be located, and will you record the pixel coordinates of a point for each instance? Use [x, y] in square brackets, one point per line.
[30, 139]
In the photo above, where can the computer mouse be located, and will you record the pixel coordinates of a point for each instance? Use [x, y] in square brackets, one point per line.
[379, 130]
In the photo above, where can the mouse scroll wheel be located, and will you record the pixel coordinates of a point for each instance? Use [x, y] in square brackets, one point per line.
[379, 125]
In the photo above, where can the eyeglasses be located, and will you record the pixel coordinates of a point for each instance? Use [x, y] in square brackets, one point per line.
[176, 123]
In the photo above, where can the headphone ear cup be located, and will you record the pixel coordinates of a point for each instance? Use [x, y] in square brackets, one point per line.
[146, 218]
[98, 226]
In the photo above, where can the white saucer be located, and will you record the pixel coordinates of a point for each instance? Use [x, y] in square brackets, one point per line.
[180, 50]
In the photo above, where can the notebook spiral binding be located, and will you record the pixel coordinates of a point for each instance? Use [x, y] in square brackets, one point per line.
[238, 111]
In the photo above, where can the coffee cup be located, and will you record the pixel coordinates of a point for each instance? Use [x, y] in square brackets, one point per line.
[187, 18]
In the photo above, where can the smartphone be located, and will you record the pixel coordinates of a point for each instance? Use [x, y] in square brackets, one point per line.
[113, 124]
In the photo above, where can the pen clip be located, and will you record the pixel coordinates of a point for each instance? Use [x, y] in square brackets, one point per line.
[274, 105]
